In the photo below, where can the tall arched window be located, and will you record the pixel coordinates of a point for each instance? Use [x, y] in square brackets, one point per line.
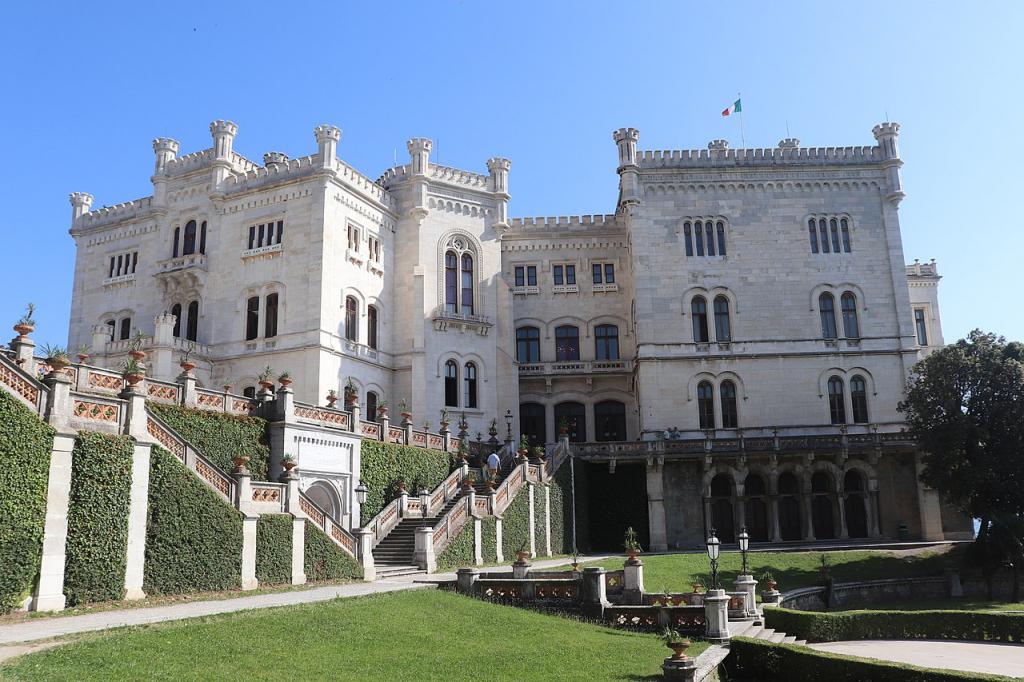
[192, 330]
[469, 379]
[606, 342]
[270, 321]
[126, 328]
[567, 343]
[451, 282]
[699, 312]
[727, 393]
[609, 421]
[848, 304]
[836, 402]
[371, 406]
[721, 238]
[528, 344]
[371, 327]
[688, 238]
[189, 245]
[451, 384]
[827, 309]
[533, 422]
[176, 311]
[351, 318]
[113, 327]
[252, 318]
[859, 399]
[177, 239]
[706, 405]
[723, 330]
[202, 238]
[466, 298]
[573, 418]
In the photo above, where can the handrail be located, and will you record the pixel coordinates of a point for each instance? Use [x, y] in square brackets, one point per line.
[391, 515]
[329, 525]
[220, 482]
[23, 385]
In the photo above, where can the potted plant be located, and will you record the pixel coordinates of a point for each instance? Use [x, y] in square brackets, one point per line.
[445, 419]
[135, 351]
[382, 409]
[463, 425]
[285, 379]
[401, 486]
[522, 554]
[288, 462]
[769, 581]
[489, 482]
[264, 378]
[240, 462]
[351, 393]
[575, 562]
[332, 397]
[56, 357]
[403, 409]
[631, 544]
[676, 642]
[524, 446]
[26, 323]
[563, 427]
[426, 426]
[82, 354]
[227, 388]
[133, 371]
[462, 451]
[467, 483]
[493, 428]
[537, 452]
[187, 365]
[696, 585]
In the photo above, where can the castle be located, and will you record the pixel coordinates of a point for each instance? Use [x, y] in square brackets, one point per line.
[731, 342]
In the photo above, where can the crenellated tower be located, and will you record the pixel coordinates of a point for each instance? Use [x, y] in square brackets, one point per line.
[629, 187]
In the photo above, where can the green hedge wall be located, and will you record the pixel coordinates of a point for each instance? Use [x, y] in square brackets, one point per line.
[193, 537]
[324, 560]
[384, 464]
[25, 446]
[460, 551]
[220, 436]
[757, 660]
[515, 525]
[274, 549]
[836, 626]
[97, 547]
[488, 543]
[561, 512]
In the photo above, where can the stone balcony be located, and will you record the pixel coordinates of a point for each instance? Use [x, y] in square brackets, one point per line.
[119, 281]
[445, 320]
[572, 367]
[262, 252]
[183, 272]
[192, 260]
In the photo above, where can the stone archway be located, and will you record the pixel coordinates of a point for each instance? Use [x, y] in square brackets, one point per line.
[722, 507]
[822, 512]
[325, 497]
[855, 504]
[756, 508]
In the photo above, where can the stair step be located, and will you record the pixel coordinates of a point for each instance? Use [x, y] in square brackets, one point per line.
[764, 633]
[788, 639]
[777, 637]
[801, 642]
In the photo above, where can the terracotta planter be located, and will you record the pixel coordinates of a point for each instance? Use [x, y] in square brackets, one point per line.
[188, 366]
[285, 382]
[134, 379]
[227, 388]
[82, 357]
[407, 416]
[268, 385]
[696, 587]
[240, 462]
[575, 567]
[137, 355]
[467, 486]
[679, 649]
[382, 412]
[289, 464]
[24, 329]
[58, 363]
[523, 453]
[401, 487]
[444, 426]
[331, 400]
[489, 486]
[521, 557]
[632, 554]
[771, 585]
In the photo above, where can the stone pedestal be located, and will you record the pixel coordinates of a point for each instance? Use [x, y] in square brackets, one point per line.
[365, 538]
[49, 594]
[747, 584]
[520, 569]
[716, 612]
[771, 597]
[465, 581]
[137, 514]
[633, 581]
[424, 556]
[679, 671]
[249, 581]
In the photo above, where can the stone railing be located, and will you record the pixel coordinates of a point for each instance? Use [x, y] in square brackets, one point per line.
[576, 367]
[871, 592]
[449, 526]
[325, 522]
[218, 481]
[22, 385]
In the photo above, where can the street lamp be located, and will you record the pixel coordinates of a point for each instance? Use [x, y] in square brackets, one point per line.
[744, 546]
[713, 547]
[361, 491]
[508, 423]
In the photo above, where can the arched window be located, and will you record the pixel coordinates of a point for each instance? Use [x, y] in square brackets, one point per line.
[177, 239]
[126, 328]
[176, 311]
[711, 237]
[727, 393]
[113, 327]
[371, 327]
[789, 507]
[859, 399]
[528, 344]
[351, 318]
[823, 233]
[848, 304]
[723, 330]
[533, 422]
[252, 318]
[836, 403]
[451, 282]
[706, 405]
[567, 343]
[451, 384]
[192, 330]
[469, 379]
[371, 406]
[467, 284]
[606, 342]
[270, 321]
[249, 392]
[835, 234]
[812, 229]
[189, 246]
[688, 238]
[573, 418]
[698, 233]
[699, 312]
[609, 421]
[827, 309]
[202, 238]
[721, 238]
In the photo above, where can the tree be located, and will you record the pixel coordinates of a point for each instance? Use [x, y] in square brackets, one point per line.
[965, 407]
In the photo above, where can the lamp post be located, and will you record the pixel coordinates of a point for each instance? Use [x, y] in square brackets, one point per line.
[361, 491]
[744, 539]
[508, 424]
[713, 547]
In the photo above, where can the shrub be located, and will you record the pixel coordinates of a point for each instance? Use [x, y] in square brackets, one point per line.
[460, 551]
[384, 464]
[220, 436]
[25, 446]
[561, 512]
[756, 659]
[488, 539]
[193, 537]
[818, 626]
[97, 545]
[274, 549]
[324, 560]
[515, 525]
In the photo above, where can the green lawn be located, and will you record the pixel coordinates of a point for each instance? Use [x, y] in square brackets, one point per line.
[675, 572]
[416, 635]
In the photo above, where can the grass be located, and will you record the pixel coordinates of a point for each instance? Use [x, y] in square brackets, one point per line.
[415, 635]
[791, 570]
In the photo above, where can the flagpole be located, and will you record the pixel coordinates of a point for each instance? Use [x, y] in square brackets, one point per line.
[743, 138]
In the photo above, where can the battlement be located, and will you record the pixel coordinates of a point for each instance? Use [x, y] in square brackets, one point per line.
[455, 176]
[259, 176]
[558, 223]
[189, 162]
[363, 183]
[107, 215]
[923, 270]
[396, 173]
[719, 155]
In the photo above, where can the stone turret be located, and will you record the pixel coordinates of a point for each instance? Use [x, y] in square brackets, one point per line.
[327, 137]
[499, 168]
[223, 139]
[272, 159]
[789, 143]
[887, 134]
[166, 150]
[80, 204]
[629, 181]
[419, 152]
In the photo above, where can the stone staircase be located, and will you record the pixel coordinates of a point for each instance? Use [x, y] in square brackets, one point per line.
[393, 556]
[748, 629]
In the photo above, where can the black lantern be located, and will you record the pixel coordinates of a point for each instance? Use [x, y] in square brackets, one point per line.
[361, 491]
[713, 547]
[744, 539]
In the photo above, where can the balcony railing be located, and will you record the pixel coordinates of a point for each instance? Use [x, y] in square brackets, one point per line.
[192, 260]
[119, 279]
[576, 367]
[444, 319]
[268, 251]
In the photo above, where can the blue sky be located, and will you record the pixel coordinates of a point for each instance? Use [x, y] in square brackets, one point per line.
[87, 88]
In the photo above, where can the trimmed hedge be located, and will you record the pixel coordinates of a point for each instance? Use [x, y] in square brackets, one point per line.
[220, 436]
[757, 660]
[97, 545]
[324, 560]
[25, 446]
[274, 549]
[489, 540]
[561, 511]
[384, 464]
[460, 551]
[515, 525]
[816, 626]
[193, 537]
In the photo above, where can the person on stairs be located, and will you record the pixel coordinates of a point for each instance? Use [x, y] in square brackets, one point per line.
[493, 464]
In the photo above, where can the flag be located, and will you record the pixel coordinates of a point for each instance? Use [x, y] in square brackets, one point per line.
[734, 109]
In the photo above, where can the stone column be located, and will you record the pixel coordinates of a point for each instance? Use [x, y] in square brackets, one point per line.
[775, 535]
[805, 502]
[291, 478]
[533, 510]
[136, 419]
[243, 501]
[365, 538]
[747, 584]
[356, 418]
[499, 538]
[478, 555]
[656, 506]
[407, 427]
[24, 353]
[138, 506]
[871, 501]
[716, 613]
[49, 593]
[841, 505]
[188, 390]
[595, 597]
[709, 520]
[424, 556]
[633, 581]
[547, 520]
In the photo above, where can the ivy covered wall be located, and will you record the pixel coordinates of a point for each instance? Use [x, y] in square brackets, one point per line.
[25, 446]
[324, 560]
[488, 543]
[460, 551]
[384, 464]
[97, 545]
[193, 537]
[515, 527]
[220, 436]
[274, 549]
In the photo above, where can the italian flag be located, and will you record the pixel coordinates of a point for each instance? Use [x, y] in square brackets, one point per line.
[734, 109]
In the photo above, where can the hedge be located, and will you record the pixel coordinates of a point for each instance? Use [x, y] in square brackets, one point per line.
[384, 464]
[758, 660]
[274, 549]
[515, 525]
[220, 436]
[324, 560]
[489, 539]
[816, 626]
[25, 446]
[460, 552]
[97, 545]
[561, 511]
[193, 537]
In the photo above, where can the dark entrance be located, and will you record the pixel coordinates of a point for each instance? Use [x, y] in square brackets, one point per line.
[609, 421]
[821, 506]
[574, 417]
[532, 423]
[721, 508]
[789, 507]
[615, 501]
[756, 508]
[855, 505]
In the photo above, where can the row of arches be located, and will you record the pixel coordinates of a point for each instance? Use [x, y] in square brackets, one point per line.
[192, 240]
[567, 343]
[609, 421]
[191, 322]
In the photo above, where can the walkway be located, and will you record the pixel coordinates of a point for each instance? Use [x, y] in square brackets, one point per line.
[975, 657]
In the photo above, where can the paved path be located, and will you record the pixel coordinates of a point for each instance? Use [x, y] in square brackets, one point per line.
[975, 657]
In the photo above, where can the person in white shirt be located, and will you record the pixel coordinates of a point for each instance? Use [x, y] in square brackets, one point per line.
[493, 464]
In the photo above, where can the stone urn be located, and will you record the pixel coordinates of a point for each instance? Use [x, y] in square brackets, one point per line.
[696, 587]
[331, 399]
[406, 417]
[134, 378]
[382, 412]
[267, 385]
[289, 464]
[137, 355]
[187, 366]
[679, 649]
[24, 329]
[285, 383]
[82, 357]
[58, 362]
[240, 462]
[522, 556]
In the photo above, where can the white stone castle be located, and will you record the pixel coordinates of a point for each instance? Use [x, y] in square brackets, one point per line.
[731, 294]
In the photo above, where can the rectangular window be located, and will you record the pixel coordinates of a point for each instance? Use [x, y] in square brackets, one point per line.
[111, 273]
[922, 327]
[597, 273]
[270, 324]
[520, 276]
[252, 318]
[135, 261]
[353, 238]
[609, 273]
[531, 275]
[126, 328]
[261, 231]
[570, 274]
[557, 275]
[252, 237]
[119, 259]
[280, 230]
